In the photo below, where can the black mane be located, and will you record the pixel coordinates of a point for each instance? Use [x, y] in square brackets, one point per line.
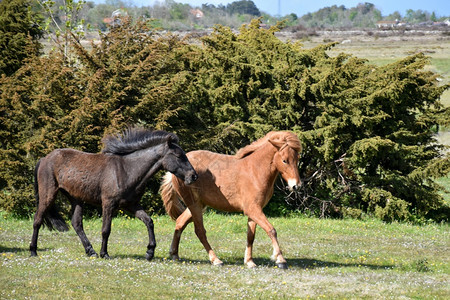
[134, 139]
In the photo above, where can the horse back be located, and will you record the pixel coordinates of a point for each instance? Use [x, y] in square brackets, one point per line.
[218, 180]
[78, 173]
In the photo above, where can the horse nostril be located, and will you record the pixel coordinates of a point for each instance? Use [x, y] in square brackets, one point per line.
[194, 177]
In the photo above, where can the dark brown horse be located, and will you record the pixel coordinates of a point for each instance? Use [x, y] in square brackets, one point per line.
[115, 178]
[240, 183]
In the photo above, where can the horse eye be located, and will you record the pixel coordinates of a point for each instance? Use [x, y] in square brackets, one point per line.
[284, 161]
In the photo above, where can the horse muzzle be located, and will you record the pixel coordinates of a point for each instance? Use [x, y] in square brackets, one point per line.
[191, 178]
[293, 184]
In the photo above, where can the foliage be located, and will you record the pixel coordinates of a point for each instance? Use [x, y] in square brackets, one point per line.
[373, 138]
[63, 20]
[243, 7]
[363, 15]
[367, 131]
[416, 16]
[19, 34]
[52, 104]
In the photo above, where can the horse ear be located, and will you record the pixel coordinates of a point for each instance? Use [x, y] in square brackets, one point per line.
[277, 144]
[172, 139]
[169, 140]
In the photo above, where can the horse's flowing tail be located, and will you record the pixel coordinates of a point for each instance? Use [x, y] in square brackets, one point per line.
[172, 201]
[36, 184]
[52, 219]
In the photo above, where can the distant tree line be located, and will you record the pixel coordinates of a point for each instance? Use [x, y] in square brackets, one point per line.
[172, 15]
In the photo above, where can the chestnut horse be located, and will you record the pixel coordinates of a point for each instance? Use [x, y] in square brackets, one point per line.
[240, 183]
[115, 178]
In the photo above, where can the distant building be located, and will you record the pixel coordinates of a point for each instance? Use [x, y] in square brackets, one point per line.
[387, 24]
[197, 13]
[115, 17]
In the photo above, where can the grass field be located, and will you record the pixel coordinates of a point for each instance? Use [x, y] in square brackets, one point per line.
[327, 259]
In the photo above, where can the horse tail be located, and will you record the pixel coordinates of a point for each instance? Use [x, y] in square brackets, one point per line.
[52, 219]
[171, 199]
[36, 184]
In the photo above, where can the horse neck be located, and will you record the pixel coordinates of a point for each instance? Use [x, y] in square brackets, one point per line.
[142, 164]
[262, 160]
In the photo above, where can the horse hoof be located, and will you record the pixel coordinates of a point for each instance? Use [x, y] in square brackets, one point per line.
[149, 256]
[251, 265]
[33, 254]
[282, 266]
[90, 252]
[218, 263]
[105, 256]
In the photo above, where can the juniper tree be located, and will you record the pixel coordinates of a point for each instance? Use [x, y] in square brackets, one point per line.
[19, 34]
[367, 131]
[51, 104]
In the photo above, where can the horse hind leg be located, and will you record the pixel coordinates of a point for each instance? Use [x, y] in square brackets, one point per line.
[38, 219]
[197, 217]
[45, 198]
[77, 224]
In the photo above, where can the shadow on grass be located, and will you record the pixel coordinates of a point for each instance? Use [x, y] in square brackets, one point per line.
[132, 256]
[307, 263]
[304, 263]
[4, 249]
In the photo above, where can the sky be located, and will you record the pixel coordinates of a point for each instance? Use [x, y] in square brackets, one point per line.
[301, 7]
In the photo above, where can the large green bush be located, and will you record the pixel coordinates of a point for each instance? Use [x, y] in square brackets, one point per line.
[367, 131]
[19, 34]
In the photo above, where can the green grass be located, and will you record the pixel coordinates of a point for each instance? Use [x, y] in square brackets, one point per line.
[445, 182]
[327, 258]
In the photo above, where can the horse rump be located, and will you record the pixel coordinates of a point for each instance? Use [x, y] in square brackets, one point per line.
[172, 201]
[52, 219]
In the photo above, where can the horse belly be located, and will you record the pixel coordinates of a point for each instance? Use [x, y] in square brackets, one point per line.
[216, 185]
[217, 190]
[221, 199]
[80, 178]
[81, 185]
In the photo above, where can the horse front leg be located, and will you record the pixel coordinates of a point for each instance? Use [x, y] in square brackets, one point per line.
[251, 230]
[107, 208]
[77, 224]
[260, 219]
[139, 213]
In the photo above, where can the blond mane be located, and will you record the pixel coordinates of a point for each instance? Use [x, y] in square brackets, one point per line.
[289, 138]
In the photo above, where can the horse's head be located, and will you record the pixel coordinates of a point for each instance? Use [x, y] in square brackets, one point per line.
[286, 161]
[176, 162]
